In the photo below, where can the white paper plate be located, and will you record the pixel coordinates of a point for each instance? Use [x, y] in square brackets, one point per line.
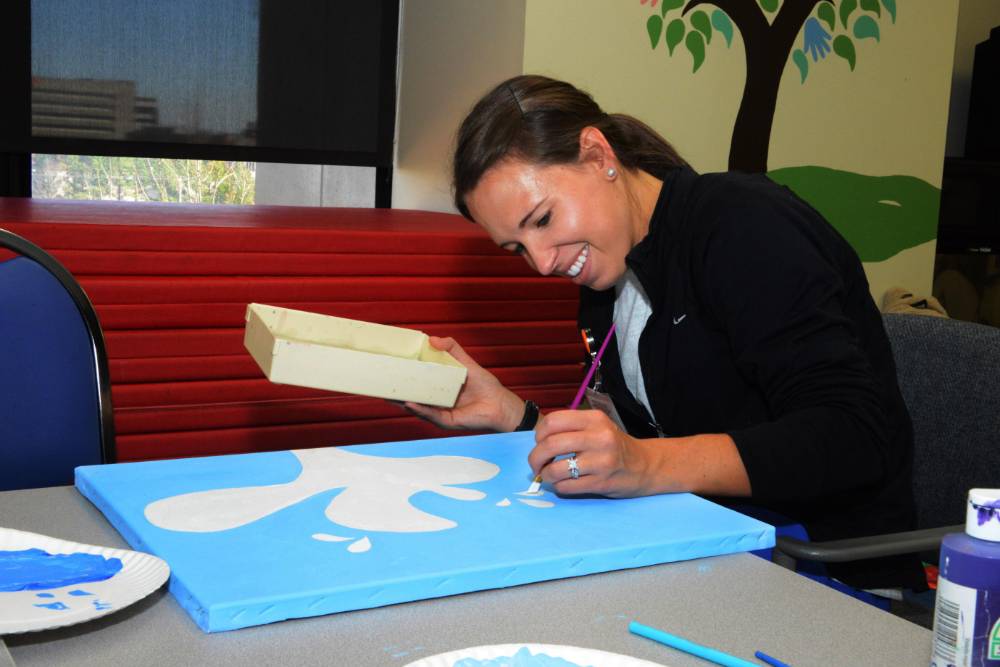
[544, 655]
[141, 574]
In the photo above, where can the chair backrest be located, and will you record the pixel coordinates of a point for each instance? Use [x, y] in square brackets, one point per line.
[55, 394]
[949, 374]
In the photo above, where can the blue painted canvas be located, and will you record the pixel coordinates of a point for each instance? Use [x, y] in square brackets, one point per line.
[257, 538]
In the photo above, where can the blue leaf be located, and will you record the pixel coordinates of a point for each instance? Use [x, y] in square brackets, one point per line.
[721, 22]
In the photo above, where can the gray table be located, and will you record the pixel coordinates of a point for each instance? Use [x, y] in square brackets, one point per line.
[736, 603]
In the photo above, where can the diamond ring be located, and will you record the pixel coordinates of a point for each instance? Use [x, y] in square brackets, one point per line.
[574, 469]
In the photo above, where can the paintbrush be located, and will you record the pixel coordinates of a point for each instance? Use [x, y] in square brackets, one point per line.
[535, 487]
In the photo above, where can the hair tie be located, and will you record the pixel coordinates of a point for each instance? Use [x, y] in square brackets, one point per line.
[516, 101]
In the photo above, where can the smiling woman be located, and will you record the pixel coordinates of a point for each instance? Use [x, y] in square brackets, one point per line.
[535, 149]
[577, 220]
[750, 360]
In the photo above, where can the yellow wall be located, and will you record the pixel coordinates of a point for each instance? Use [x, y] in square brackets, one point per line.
[887, 117]
[890, 115]
[602, 47]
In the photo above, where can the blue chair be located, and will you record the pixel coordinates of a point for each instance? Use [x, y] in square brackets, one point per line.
[55, 393]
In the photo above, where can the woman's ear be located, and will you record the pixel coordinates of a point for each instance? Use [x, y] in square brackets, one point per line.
[595, 149]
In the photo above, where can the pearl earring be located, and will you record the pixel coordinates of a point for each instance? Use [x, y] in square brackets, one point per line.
[612, 172]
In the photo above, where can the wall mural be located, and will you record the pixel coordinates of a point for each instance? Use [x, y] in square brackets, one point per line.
[879, 215]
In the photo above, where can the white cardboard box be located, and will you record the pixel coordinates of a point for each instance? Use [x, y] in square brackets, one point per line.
[337, 354]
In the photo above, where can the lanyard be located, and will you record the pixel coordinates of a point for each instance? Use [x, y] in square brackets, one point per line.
[590, 345]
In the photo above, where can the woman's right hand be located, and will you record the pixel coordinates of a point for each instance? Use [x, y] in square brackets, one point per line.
[483, 403]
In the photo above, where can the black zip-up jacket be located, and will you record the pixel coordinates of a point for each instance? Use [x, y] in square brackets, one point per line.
[763, 327]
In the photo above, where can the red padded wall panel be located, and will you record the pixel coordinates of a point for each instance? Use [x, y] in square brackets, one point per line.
[400, 313]
[238, 366]
[171, 282]
[177, 263]
[244, 289]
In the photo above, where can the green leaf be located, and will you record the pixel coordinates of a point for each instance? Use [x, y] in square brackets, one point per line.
[872, 6]
[844, 47]
[769, 5]
[675, 33]
[847, 7]
[721, 22]
[865, 27]
[826, 13]
[654, 26]
[700, 22]
[890, 6]
[695, 43]
[667, 5]
[801, 62]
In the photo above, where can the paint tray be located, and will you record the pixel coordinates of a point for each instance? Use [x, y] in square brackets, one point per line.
[337, 354]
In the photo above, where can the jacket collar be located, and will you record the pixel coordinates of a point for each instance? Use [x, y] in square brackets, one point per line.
[646, 258]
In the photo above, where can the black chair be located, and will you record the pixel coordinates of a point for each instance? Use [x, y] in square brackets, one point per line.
[55, 393]
[949, 374]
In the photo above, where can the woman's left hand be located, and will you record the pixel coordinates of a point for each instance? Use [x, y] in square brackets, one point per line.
[610, 462]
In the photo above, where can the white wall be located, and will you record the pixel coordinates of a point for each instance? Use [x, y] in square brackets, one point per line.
[975, 18]
[450, 53]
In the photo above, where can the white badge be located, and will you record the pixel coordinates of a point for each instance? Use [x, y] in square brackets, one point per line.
[601, 401]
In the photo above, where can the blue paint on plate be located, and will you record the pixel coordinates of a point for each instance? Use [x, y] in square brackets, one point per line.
[523, 658]
[35, 569]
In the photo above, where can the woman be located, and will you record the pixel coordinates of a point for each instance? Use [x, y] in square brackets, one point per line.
[749, 360]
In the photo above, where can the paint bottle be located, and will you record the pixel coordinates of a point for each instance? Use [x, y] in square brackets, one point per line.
[967, 612]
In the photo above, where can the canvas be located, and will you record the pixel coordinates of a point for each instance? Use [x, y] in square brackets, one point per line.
[258, 538]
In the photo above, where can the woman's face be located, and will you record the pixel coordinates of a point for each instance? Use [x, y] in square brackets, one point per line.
[570, 220]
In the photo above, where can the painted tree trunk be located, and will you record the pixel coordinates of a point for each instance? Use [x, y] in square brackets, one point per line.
[767, 47]
[752, 130]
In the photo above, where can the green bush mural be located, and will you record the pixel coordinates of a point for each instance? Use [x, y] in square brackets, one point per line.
[769, 29]
[878, 215]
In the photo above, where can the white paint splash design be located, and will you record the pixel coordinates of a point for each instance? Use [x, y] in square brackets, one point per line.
[536, 503]
[361, 546]
[504, 503]
[376, 493]
[327, 537]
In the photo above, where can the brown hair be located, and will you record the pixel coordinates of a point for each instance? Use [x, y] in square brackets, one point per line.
[539, 120]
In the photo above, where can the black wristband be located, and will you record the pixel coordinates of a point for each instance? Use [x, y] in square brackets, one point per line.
[530, 417]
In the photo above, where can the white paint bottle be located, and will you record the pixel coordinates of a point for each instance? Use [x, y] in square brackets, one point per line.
[967, 612]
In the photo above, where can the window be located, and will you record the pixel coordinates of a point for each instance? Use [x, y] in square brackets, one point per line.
[236, 81]
[142, 179]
